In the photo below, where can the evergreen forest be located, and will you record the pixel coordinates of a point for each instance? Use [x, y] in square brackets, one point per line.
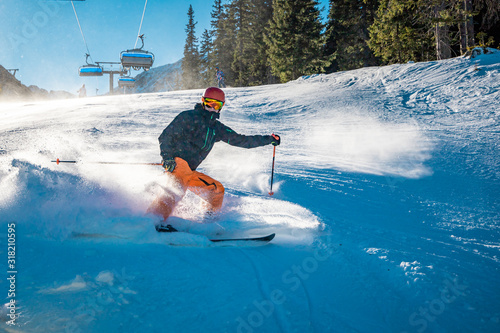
[257, 42]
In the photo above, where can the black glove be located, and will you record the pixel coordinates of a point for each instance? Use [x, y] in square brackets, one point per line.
[275, 140]
[169, 164]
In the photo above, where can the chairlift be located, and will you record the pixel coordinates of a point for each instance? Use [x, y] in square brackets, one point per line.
[126, 81]
[137, 58]
[90, 69]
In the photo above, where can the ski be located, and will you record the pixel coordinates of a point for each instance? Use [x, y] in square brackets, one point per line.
[268, 238]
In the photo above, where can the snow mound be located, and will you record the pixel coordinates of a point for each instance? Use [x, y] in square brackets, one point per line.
[480, 51]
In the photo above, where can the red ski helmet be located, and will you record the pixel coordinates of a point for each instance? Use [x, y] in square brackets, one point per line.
[215, 93]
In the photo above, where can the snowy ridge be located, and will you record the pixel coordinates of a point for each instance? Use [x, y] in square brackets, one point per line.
[158, 79]
[385, 208]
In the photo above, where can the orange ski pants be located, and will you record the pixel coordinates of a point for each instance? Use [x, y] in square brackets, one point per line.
[206, 187]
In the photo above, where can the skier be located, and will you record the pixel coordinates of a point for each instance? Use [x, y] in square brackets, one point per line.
[82, 92]
[219, 75]
[186, 142]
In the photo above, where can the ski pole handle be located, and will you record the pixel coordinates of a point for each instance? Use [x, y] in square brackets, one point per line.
[272, 171]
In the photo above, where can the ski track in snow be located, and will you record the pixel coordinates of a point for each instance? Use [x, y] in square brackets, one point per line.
[386, 199]
[265, 290]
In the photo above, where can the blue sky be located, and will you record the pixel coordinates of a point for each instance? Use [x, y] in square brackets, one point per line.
[42, 38]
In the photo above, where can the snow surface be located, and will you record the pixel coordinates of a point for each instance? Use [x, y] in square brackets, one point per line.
[386, 209]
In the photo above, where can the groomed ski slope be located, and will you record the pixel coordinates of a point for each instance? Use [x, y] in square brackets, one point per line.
[386, 209]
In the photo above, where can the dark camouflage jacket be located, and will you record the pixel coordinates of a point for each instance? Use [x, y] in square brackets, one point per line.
[192, 134]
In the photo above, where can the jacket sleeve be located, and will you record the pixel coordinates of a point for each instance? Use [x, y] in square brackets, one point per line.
[229, 136]
[170, 138]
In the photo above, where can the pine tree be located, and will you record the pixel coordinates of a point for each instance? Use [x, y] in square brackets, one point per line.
[224, 42]
[206, 50]
[457, 21]
[215, 26]
[347, 34]
[466, 26]
[486, 15]
[259, 69]
[250, 65]
[217, 11]
[191, 62]
[240, 9]
[451, 23]
[398, 35]
[294, 39]
[442, 21]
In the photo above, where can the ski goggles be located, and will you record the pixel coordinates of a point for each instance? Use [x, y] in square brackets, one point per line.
[213, 103]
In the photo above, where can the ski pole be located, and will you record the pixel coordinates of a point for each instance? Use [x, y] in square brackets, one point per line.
[57, 161]
[272, 172]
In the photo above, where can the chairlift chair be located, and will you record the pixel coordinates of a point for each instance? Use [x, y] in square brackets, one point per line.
[90, 69]
[126, 81]
[137, 58]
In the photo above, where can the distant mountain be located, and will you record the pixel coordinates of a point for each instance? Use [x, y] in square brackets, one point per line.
[12, 89]
[158, 79]
[53, 94]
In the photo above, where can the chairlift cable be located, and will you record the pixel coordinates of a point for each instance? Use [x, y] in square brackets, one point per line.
[140, 26]
[81, 31]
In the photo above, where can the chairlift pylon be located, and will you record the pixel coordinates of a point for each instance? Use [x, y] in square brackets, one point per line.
[137, 58]
[90, 69]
